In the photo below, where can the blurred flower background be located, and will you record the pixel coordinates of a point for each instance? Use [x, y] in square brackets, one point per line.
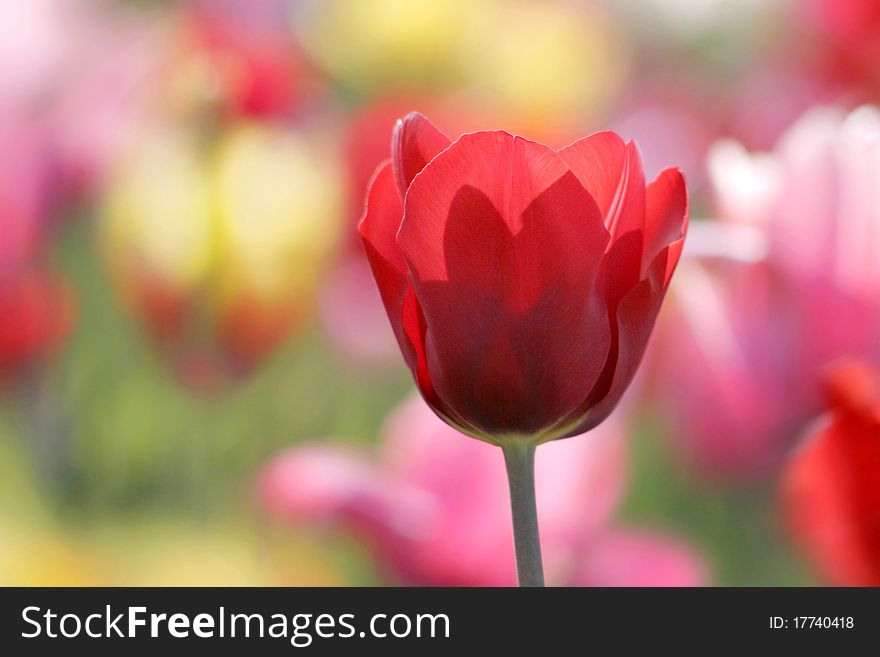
[198, 383]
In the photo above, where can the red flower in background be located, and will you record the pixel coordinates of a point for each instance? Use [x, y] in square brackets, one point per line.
[850, 29]
[37, 311]
[256, 64]
[36, 306]
[831, 488]
[521, 283]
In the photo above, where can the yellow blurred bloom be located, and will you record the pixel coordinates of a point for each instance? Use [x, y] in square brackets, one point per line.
[277, 201]
[547, 59]
[159, 220]
[161, 553]
[31, 558]
[370, 45]
[221, 240]
[168, 552]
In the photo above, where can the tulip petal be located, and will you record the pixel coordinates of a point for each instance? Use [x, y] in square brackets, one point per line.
[636, 315]
[378, 227]
[415, 329]
[621, 269]
[475, 160]
[666, 217]
[830, 496]
[637, 310]
[414, 143]
[598, 162]
[505, 269]
[612, 172]
[635, 319]
[831, 491]
[383, 213]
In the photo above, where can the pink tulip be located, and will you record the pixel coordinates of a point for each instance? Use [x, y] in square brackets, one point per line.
[99, 100]
[25, 190]
[78, 69]
[36, 305]
[634, 557]
[433, 510]
[673, 123]
[32, 46]
[787, 281]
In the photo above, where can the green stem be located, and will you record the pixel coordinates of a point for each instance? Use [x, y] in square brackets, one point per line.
[519, 457]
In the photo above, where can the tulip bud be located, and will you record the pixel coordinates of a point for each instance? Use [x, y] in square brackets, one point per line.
[522, 283]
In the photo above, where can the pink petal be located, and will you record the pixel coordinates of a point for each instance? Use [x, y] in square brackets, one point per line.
[328, 484]
[579, 482]
[435, 508]
[353, 315]
[627, 557]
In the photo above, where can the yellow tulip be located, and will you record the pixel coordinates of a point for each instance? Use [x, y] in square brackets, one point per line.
[278, 202]
[218, 242]
[546, 59]
[370, 45]
[541, 59]
[159, 220]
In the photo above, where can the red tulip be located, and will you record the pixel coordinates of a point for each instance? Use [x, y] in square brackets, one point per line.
[252, 55]
[36, 312]
[522, 283]
[831, 488]
[848, 33]
[352, 313]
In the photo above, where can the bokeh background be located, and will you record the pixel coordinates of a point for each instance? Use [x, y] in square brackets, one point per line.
[198, 384]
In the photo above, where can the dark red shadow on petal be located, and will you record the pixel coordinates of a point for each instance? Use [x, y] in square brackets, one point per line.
[515, 336]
